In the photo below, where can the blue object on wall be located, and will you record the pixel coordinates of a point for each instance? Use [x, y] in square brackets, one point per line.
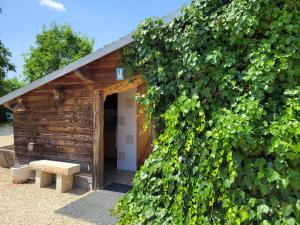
[120, 73]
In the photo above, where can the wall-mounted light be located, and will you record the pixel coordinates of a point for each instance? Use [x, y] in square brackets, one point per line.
[30, 147]
[19, 107]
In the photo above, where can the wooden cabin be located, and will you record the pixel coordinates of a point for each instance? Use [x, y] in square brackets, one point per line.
[83, 114]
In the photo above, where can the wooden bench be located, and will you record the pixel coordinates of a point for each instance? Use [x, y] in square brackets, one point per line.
[45, 169]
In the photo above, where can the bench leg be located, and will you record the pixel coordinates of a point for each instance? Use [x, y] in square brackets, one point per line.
[64, 183]
[43, 179]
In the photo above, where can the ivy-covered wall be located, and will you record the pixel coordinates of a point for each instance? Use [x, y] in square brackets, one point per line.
[224, 94]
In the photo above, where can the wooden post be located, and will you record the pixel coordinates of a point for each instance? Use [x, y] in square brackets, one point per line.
[98, 142]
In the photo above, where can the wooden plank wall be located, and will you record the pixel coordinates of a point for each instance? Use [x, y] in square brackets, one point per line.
[144, 136]
[63, 131]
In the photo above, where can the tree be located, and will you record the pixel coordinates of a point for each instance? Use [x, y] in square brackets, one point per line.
[223, 88]
[54, 48]
[5, 64]
[10, 85]
[6, 85]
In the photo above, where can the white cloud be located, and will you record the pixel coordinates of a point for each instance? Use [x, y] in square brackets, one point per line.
[53, 4]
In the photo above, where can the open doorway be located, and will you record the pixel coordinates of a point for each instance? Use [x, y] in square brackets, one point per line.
[110, 128]
[120, 156]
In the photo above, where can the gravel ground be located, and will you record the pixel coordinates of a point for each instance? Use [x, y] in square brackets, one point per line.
[24, 204]
[6, 136]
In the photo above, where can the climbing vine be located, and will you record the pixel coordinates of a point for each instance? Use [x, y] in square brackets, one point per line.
[224, 96]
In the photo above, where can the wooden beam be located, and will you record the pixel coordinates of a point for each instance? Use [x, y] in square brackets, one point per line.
[83, 75]
[98, 141]
[8, 106]
[124, 85]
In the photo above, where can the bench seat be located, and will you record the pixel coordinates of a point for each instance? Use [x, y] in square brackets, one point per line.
[45, 169]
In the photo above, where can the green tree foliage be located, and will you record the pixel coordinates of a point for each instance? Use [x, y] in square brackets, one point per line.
[6, 85]
[10, 85]
[224, 94]
[54, 48]
[5, 64]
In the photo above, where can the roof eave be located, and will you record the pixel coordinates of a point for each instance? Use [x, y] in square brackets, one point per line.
[69, 68]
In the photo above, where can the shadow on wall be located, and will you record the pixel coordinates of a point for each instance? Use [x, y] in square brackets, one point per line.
[96, 207]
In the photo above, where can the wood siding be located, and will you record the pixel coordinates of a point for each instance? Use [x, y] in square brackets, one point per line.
[63, 130]
[62, 125]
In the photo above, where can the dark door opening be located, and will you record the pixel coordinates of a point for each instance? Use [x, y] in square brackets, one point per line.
[110, 128]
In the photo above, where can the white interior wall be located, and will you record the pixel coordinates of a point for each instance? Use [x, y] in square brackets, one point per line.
[126, 131]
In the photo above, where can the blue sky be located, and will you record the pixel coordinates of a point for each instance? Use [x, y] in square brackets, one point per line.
[104, 20]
